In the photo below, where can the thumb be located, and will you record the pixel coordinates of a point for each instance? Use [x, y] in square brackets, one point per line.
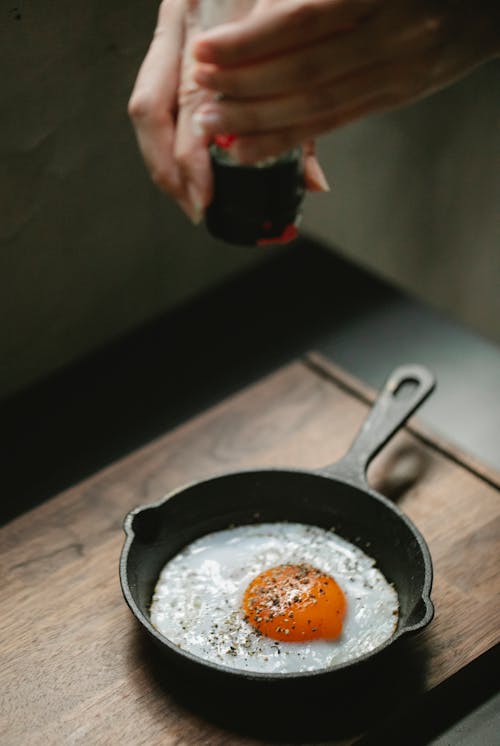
[314, 176]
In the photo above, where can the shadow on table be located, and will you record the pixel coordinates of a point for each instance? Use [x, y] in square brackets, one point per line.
[399, 468]
[334, 709]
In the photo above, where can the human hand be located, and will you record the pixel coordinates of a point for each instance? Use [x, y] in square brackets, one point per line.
[161, 108]
[162, 105]
[295, 69]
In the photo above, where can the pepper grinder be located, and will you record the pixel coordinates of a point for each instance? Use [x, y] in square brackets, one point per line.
[253, 205]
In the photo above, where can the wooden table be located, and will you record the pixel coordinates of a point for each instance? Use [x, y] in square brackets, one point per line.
[74, 666]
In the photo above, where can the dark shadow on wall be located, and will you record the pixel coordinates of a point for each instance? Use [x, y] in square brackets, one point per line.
[79, 420]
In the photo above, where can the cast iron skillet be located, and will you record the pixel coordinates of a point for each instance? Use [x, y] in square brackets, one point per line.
[336, 496]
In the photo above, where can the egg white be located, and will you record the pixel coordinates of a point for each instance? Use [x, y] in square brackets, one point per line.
[197, 600]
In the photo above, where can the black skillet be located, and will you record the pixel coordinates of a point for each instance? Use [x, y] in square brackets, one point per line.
[336, 496]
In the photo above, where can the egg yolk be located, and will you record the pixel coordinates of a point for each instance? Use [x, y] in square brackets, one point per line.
[294, 603]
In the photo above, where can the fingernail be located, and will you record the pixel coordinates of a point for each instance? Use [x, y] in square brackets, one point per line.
[316, 177]
[197, 211]
[186, 208]
[206, 121]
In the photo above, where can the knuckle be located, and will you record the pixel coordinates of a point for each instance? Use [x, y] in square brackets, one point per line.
[434, 26]
[183, 156]
[187, 92]
[159, 177]
[141, 106]
[182, 160]
[431, 31]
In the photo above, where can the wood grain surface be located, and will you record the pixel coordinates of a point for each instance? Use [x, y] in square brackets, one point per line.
[74, 666]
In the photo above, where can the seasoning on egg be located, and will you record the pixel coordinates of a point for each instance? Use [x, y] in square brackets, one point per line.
[282, 602]
[199, 599]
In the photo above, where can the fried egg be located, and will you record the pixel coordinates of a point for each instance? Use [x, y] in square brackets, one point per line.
[274, 598]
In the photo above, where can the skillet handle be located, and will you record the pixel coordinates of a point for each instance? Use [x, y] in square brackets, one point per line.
[403, 392]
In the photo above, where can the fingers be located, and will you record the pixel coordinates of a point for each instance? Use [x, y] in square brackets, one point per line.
[191, 143]
[241, 116]
[153, 101]
[296, 71]
[193, 161]
[276, 26]
[314, 176]
[161, 107]
[252, 148]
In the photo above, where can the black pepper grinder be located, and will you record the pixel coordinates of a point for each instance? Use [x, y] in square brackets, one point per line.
[253, 205]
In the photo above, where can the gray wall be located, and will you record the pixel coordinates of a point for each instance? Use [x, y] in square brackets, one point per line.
[416, 197]
[89, 249]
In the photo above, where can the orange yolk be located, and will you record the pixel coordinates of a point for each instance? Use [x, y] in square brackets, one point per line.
[293, 603]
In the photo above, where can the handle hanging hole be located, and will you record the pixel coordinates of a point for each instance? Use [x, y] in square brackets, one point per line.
[406, 389]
